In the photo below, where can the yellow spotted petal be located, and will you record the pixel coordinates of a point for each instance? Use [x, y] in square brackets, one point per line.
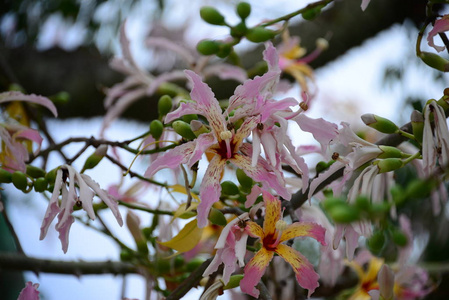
[254, 271]
[272, 213]
[298, 229]
[254, 229]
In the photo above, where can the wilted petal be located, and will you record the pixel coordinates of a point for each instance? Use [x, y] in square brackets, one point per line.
[29, 292]
[210, 189]
[254, 271]
[172, 159]
[53, 206]
[18, 96]
[305, 274]
[441, 25]
[298, 229]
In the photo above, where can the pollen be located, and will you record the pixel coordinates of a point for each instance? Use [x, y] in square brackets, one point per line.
[225, 135]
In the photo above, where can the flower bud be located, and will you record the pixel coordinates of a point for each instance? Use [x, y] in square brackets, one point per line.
[243, 10]
[380, 124]
[94, 159]
[362, 203]
[19, 180]
[389, 152]
[194, 263]
[34, 172]
[321, 166]
[399, 238]
[435, 61]
[376, 242]
[189, 118]
[164, 105]
[208, 47]
[198, 127]
[224, 51]
[312, 13]
[389, 164]
[156, 129]
[239, 30]
[344, 213]
[234, 282]
[417, 121]
[245, 181]
[229, 188]
[5, 176]
[211, 15]
[51, 175]
[217, 217]
[183, 129]
[419, 188]
[260, 34]
[330, 202]
[40, 184]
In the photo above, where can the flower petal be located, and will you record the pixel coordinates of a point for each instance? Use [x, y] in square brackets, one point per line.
[305, 274]
[272, 213]
[210, 189]
[29, 292]
[254, 271]
[254, 230]
[18, 96]
[304, 229]
[440, 25]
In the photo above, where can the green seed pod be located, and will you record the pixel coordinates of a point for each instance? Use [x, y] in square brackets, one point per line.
[208, 47]
[245, 181]
[225, 50]
[164, 105]
[194, 263]
[234, 282]
[417, 121]
[217, 217]
[94, 159]
[156, 129]
[380, 124]
[243, 10]
[183, 129]
[260, 34]
[60, 98]
[389, 164]
[376, 242]
[399, 238]
[19, 180]
[311, 13]
[321, 166]
[5, 176]
[229, 188]
[344, 213]
[363, 203]
[198, 127]
[389, 152]
[211, 15]
[35, 172]
[189, 118]
[330, 202]
[239, 30]
[51, 175]
[40, 184]
[435, 61]
[419, 189]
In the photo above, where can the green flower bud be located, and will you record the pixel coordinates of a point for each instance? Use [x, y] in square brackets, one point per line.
[126, 255]
[94, 159]
[194, 263]
[376, 242]
[229, 188]
[217, 217]
[419, 189]
[331, 202]
[51, 175]
[435, 61]
[245, 181]
[362, 203]
[156, 129]
[389, 164]
[211, 15]
[417, 121]
[321, 166]
[208, 47]
[35, 172]
[164, 105]
[260, 34]
[399, 238]
[198, 127]
[225, 50]
[380, 124]
[40, 184]
[312, 13]
[389, 152]
[19, 180]
[5, 176]
[189, 118]
[239, 30]
[344, 213]
[398, 194]
[60, 98]
[184, 130]
[243, 10]
[234, 282]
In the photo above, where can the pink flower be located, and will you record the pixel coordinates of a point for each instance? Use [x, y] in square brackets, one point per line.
[274, 232]
[29, 292]
[365, 4]
[223, 142]
[64, 208]
[440, 26]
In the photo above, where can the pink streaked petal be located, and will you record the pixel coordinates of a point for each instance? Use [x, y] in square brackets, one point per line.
[186, 108]
[202, 94]
[210, 189]
[53, 206]
[170, 45]
[385, 278]
[172, 159]
[244, 131]
[18, 96]
[322, 130]
[203, 142]
[273, 106]
[261, 173]
[225, 71]
[254, 230]
[305, 274]
[254, 271]
[29, 292]
[252, 196]
[257, 149]
[352, 240]
[240, 249]
[316, 182]
[271, 56]
[272, 212]
[221, 242]
[440, 25]
[165, 77]
[64, 228]
[310, 229]
[124, 45]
